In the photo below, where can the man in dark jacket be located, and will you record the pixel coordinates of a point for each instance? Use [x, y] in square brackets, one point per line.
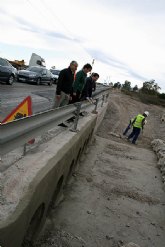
[64, 85]
[89, 87]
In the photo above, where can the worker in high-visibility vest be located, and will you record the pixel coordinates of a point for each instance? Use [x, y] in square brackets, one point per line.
[138, 124]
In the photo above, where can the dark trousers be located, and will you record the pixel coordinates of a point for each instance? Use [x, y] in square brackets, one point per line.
[76, 98]
[127, 129]
[135, 133]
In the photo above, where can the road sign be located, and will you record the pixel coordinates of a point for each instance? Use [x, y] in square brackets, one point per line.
[24, 109]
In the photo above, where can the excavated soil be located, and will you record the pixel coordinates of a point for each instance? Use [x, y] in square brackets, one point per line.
[116, 196]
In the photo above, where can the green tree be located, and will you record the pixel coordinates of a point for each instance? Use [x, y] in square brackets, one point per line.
[162, 96]
[135, 88]
[127, 85]
[150, 87]
[117, 85]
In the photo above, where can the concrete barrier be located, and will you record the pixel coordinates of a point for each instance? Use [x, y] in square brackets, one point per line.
[34, 184]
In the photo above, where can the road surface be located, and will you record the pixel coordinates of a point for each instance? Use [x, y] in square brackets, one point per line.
[10, 96]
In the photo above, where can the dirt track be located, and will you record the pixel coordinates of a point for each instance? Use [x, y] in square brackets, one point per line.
[116, 196]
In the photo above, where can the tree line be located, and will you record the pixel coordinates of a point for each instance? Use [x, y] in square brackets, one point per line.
[149, 87]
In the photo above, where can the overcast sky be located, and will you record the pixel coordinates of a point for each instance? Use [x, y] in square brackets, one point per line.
[125, 37]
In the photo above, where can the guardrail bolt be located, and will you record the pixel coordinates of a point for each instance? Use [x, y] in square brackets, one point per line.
[103, 98]
[78, 105]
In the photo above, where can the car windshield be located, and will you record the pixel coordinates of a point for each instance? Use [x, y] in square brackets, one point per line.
[35, 69]
[55, 72]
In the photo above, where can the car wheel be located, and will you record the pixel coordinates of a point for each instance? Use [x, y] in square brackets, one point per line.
[38, 82]
[50, 83]
[11, 80]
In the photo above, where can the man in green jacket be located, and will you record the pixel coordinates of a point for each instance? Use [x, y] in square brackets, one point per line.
[138, 124]
[79, 82]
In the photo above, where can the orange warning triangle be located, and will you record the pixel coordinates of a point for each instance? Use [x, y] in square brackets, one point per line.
[24, 109]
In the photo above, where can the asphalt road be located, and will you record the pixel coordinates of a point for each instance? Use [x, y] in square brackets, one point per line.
[10, 96]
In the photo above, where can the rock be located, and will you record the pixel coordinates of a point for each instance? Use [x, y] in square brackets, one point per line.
[89, 180]
[95, 112]
[114, 134]
[131, 245]
[121, 242]
[109, 237]
[89, 212]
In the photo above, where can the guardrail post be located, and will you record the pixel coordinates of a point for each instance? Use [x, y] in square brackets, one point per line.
[24, 149]
[107, 95]
[78, 105]
[102, 100]
[96, 104]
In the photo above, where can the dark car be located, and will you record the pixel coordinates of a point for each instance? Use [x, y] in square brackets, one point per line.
[55, 73]
[35, 75]
[8, 73]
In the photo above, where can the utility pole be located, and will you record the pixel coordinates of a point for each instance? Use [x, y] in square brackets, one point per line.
[92, 65]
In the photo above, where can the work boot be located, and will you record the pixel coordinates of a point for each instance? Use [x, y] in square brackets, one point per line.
[134, 143]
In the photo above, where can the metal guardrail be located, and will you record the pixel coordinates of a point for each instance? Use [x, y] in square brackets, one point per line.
[19, 132]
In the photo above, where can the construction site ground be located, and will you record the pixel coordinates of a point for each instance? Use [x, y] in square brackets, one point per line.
[116, 195]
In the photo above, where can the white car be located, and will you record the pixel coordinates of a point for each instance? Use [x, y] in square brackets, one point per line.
[55, 73]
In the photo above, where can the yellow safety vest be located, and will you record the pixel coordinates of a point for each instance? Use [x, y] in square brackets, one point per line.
[138, 121]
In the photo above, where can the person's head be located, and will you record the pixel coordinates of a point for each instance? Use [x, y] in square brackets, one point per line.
[87, 68]
[95, 76]
[146, 114]
[73, 66]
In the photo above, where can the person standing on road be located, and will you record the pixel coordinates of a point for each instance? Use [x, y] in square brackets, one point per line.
[90, 86]
[138, 124]
[64, 85]
[79, 82]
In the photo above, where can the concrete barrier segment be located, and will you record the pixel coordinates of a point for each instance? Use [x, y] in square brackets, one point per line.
[33, 183]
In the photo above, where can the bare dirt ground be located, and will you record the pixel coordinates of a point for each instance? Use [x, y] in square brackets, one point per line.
[117, 195]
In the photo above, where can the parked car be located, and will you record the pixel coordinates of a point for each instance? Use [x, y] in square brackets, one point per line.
[8, 73]
[36, 75]
[55, 73]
